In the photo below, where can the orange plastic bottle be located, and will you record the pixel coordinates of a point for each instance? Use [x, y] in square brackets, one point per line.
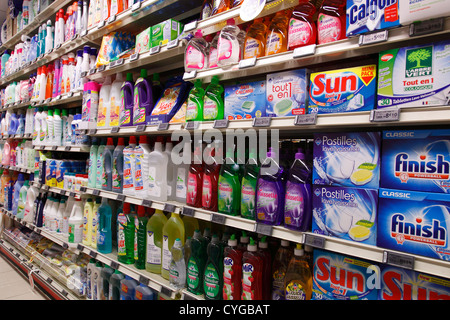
[302, 29]
[278, 32]
[255, 40]
[219, 6]
[331, 21]
[49, 84]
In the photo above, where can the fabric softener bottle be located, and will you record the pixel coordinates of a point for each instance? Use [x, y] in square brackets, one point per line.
[126, 105]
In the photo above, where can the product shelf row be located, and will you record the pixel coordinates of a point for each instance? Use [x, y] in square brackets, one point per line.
[26, 136]
[67, 99]
[14, 168]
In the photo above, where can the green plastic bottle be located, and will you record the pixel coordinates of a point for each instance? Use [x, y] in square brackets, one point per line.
[229, 191]
[248, 186]
[213, 107]
[155, 227]
[196, 264]
[173, 229]
[213, 275]
[125, 235]
[194, 110]
[140, 239]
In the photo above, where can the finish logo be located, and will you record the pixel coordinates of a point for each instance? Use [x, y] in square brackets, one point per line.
[422, 168]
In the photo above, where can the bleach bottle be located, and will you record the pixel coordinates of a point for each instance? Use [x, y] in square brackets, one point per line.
[104, 231]
[117, 167]
[128, 288]
[99, 165]
[92, 170]
[141, 156]
[144, 293]
[114, 285]
[126, 105]
[129, 167]
[107, 165]
[143, 99]
[17, 186]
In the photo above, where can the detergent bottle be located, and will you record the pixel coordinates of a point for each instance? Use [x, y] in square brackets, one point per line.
[126, 105]
[129, 167]
[155, 227]
[331, 21]
[104, 231]
[195, 180]
[17, 186]
[181, 172]
[196, 55]
[213, 106]
[302, 29]
[173, 229]
[87, 221]
[298, 279]
[157, 172]
[107, 165]
[92, 169]
[276, 41]
[229, 193]
[228, 46]
[104, 104]
[211, 171]
[264, 252]
[95, 220]
[144, 293]
[115, 99]
[213, 274]
[99, 165]
[114, 285]
[141, 172]
[125, 235]
[177, 268]
[252, 268]
[76, 223]
[117, 166]
[140, 238]
[196, 264]
[232, 270]
[128, 288]
[105, 275]
[248, 186]
[279, 267]
[255, 40]
[143, 99]
[23, 197]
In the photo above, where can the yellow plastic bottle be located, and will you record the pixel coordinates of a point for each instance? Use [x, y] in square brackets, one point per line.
[173, 229]
[155, 227]
[95, 219]
[298, 279]
[190, 225]
[88, 214]
[277, 34]
[255, 40]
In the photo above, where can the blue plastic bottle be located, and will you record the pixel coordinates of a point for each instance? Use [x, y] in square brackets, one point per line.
[270, 191]
[15, 198]
[143, 99]
[126, 104]
[144, 293]
[14, 124]
[297, 201]
[128, 288]
[104, 236]
[40, 210]
[21, 125]
[114, 285]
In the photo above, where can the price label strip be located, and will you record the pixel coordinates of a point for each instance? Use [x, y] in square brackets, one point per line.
[314, 241]
[398, 260]
[305, 119]
[426, 27]
[384, 115]
[371, 38]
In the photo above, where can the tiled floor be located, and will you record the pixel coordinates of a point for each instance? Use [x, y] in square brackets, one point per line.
[14, 286]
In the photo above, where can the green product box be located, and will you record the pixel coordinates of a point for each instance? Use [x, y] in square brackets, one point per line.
[165, 31]
[143, 41]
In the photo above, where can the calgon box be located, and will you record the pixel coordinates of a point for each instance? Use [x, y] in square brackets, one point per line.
[367, 16]
[403, 284]
[342, 90]
[414, 222]
[245, 100]
[346, 213]
[416, 76]
[286, 93]
[341, 277]
[349, 159]
[416, 160]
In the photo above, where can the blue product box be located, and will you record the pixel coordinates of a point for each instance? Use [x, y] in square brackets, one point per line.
[347, 159]
[341, 277]
[416, 160]
[286, 93]
[414, 222]
[245, 100]
[343, 90]
[346, 213]
[403, 284]
[366, 16]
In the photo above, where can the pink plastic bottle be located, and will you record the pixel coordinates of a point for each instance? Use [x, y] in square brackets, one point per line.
[6, 153]
[331, 21]
[211, 171]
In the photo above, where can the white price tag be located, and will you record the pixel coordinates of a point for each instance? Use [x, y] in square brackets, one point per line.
[247, 63]
[372, 38]
[304, 51]
[190, 75]
[305, 119]
[385, 115]
[190, 26]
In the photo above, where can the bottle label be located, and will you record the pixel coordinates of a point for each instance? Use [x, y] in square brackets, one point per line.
[206, 191]
[154, 189]
[247, 280]
[274, 43]
[191, 189]
[139, 182]
[278, 284]
[213, 57]
[138, 111]
[122, 224]
[225, 196]
[211, 285]
[248, 195]
[136, 240]
[328, 28]
[224, 49]
[124, 113]
[192, 108]
[166, 254]
[94, 227]
[115, 110]
[75, 233]
[267, 202]
[295, 291]
[128, 160]
[299, 33]
[101, 117]
[153, 251]
[181, 183]
[228, 285]
[210, 109]
[116, 180]
[194, 58]
[193, 274]
[293, 205]
[253, 48]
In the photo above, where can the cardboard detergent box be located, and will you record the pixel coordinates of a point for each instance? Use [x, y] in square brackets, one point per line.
[414, 222]
[245, 100]
[416, 160]
[350, 159]
[164, 32]
[286, 93]
[367, 16]
[415, 76]
[341, 277]
[343, 90]
[403, 284]
[420, 10]
[346, 213]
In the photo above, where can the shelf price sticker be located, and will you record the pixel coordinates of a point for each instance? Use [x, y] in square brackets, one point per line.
[192, 125]
[218, 218]
[305, 119]
[190, 26]
[314, 241]
[168, 207]
[136, 6]
[371, 38]
[421, 28]
[304, 51]
[140, 128]
[398, 260]
[134, 56]
[172, 44]
[186, 211]
[221, 124]
[261, 122]
[264, 229]
[385, 115]
[247, 63]
[190, 75]
[155, 50]
[163, 126]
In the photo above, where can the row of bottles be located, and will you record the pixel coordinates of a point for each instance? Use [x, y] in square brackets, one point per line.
[19, 123]
[16, 153]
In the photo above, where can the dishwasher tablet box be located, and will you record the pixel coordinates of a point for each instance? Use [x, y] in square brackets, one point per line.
[343, 90]
[342, 277]
[245, 100]
[416, 76]
[143, 41]
[286, 93]
[165, 31]
[403, 284]
[346, 213]
[420, 10]
[414, 222]
[349, 159]
[367, 16]
[417, 160]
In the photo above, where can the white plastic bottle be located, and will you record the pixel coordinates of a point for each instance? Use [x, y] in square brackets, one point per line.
[59, 215]
[64, 73]
[70, 80]
[76, 222]
[53, 213]
[141, 156]
[84, 65]
[42, 83]
[181, 173]
[57, 128]
[228, 47]
[104, 104]
[43, 125]
[129, 167]
[115, 99]
[100, 151]
[92, 169]
[29, 204]
[49, 37]
[49, 133]
[66, 215]
[37, 127]
[171, 182]
[157, 172]
[79, 61]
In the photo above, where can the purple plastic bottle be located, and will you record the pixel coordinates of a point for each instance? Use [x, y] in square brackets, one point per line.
[297, 201]
[270, 194]
[126, 105]
[143, 99]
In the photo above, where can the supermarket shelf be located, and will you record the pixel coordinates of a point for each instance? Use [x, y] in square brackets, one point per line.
[75, 97]
[84, 149]
[336, 121]
[26, 136]
[14, 168]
